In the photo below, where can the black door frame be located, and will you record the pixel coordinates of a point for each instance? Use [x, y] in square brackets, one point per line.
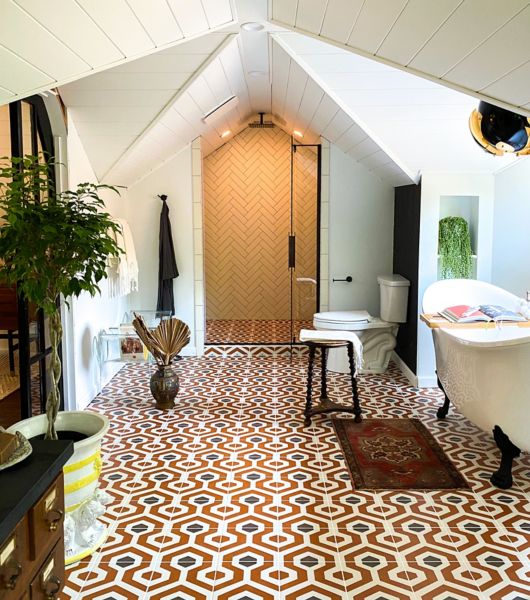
[40, 130]
[292, 234]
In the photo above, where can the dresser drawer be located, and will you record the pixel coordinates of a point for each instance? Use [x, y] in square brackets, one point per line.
[14, 564]
[46, 520]
[49, 581]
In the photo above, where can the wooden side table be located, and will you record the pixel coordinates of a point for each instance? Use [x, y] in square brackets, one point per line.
[326, 405]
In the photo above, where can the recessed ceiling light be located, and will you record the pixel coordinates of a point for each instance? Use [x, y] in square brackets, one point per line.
[252, 26]
[257, 73]
[226, 133]
[298, 133]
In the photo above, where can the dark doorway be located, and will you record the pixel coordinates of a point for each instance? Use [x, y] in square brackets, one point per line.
[23, 364]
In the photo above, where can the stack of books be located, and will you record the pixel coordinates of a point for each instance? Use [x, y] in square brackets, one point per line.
[463, 313]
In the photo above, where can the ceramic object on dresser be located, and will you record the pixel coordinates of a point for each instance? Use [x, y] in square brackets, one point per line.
[164, 385]
[84, 501]
[484, 371]
[377, 335]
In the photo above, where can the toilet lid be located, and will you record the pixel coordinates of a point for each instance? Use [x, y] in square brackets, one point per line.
[343, 316]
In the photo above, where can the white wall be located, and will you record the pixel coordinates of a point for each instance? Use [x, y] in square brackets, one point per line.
[88, 315]
[511, 233]
[361, 230]
[174, 179]
[433, 186]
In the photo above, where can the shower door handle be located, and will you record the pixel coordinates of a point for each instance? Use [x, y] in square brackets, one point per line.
[292, 251]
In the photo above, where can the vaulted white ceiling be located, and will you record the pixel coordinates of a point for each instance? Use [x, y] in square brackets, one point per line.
[307, 107]
[480, 47]
[138, 77]
[421, 124]
[46, 44]
[113, 109]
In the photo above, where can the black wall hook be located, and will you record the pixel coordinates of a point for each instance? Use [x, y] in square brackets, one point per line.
[162, 197]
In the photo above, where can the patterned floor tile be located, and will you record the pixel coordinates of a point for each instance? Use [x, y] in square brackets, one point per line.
[229, 496]
[185, 578]
[312, 576]
[372, 576]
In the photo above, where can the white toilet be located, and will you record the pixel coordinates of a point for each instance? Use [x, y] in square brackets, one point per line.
[378, 335]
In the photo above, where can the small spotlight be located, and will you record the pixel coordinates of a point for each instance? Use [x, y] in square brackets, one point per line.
[226, 133]
[252, 26]
[298, 134]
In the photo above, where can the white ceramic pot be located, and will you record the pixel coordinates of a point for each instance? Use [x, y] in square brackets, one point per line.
[84, 502]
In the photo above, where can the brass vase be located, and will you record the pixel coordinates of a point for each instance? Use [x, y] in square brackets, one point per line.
[164, 386]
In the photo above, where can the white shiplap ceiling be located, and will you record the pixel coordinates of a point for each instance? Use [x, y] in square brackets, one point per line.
[138, 77]
[113, 109]
[295, 100]
[307, 107]
[44, 44]
[480, 47]
[421, 124]
[182, 120]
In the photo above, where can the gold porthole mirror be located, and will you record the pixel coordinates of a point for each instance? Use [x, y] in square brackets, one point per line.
[500, 131]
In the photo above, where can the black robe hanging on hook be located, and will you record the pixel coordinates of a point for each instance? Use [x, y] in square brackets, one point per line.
[167, 265]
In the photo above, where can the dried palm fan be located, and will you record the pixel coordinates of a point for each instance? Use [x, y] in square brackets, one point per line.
[164, 342]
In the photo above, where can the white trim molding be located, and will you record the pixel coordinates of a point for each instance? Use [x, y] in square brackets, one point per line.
[198, 245]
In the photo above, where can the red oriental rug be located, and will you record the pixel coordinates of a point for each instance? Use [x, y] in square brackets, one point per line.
[395, 454]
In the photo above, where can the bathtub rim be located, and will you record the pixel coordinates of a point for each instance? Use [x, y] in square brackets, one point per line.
[511, 335]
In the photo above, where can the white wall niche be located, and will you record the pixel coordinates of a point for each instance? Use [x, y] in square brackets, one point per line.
[466, 207]
[434, 187]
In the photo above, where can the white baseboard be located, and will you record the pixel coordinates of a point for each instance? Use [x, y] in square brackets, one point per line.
[427, 381]
[189, 351]
[405, 369]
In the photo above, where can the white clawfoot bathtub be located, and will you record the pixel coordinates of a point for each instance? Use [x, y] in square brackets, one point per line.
[484, 372]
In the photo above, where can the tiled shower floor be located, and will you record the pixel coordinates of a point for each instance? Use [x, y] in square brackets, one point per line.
[253, 331]
[230, 497]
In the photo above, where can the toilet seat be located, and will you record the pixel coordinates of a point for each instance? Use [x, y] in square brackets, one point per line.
[347, 320]
[343, 317]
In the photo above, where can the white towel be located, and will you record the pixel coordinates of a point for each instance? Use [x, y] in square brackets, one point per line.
[123, 270]
[130, 256]
[308, 335]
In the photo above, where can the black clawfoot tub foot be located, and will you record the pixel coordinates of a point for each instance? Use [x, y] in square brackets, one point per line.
[441, 413]
[503, 477]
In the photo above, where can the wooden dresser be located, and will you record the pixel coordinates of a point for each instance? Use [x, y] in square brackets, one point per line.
[31, 524]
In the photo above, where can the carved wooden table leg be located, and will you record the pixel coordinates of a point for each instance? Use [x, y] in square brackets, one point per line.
[326, 405]
[355, 392]
[323, 372]
[310, 368]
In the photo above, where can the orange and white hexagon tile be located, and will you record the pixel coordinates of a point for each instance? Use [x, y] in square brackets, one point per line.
[230, 497]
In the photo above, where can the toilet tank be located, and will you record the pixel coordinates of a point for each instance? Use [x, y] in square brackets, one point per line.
[394, 294]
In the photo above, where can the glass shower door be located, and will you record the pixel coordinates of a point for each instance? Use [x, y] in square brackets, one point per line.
[304, 237]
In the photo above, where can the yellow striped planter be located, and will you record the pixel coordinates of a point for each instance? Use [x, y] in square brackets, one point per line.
[83, 502]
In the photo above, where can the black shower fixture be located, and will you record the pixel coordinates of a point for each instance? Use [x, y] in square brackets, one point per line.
[500, 131]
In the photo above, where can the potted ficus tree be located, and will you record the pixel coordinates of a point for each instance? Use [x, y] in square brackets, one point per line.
[52, 245]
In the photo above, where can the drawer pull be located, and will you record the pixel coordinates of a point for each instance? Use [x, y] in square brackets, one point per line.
[51, 587]
[10, 582]
[54, 517]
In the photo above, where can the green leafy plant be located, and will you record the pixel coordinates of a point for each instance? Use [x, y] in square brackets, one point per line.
[52, 244]
[454, 247]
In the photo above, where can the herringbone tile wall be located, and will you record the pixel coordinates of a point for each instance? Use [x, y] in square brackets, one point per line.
[246, 224]
[305, 205]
